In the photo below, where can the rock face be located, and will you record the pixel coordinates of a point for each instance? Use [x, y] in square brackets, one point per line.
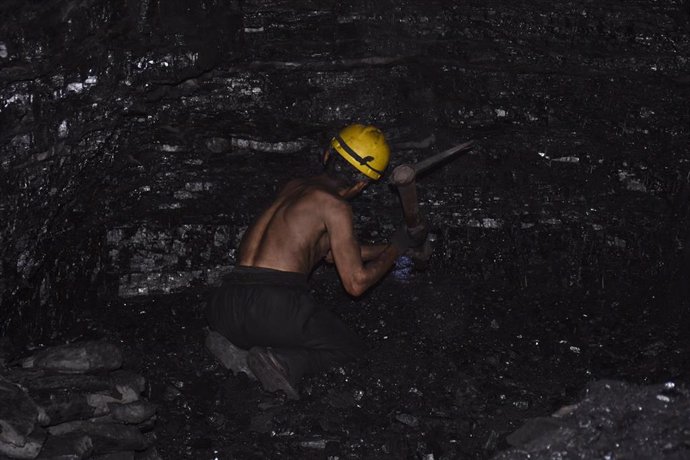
[131, 170]
[74, 79]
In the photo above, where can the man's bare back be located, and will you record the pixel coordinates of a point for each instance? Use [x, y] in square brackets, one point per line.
[291, 235]
[310, 220]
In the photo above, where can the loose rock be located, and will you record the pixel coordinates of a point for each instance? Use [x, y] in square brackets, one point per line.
[30, 447]
[77, 358]
[135, 412]
[71, 446]
[18, 414]
[84, 414]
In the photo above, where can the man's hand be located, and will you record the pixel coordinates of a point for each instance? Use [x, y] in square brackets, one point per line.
[418, 234]
[405, 238]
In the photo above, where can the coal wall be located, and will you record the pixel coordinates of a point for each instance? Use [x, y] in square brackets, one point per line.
[138, 138]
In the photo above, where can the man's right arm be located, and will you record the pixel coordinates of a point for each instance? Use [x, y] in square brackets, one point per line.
[356, 275]
[367, 251]
[372, 251]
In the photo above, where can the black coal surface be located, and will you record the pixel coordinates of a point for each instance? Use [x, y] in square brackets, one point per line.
[138, 139]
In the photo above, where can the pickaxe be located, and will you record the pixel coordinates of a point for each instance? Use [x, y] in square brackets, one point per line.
[404, 178]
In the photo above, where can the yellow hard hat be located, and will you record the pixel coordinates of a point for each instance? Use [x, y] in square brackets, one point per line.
[365, 148]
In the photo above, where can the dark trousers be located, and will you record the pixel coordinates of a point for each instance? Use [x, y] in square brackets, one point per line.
[271, 308]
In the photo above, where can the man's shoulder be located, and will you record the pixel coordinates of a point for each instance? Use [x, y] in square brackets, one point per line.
[317, 196]
[326, 197]
[321, 193]
[324, 204]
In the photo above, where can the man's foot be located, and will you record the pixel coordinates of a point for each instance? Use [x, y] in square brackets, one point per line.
[230, 356]
[272, 374]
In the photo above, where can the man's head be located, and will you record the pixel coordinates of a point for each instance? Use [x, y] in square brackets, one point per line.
[361, 154]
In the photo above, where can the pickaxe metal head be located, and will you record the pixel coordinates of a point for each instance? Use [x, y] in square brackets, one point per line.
[406, 173]
[433, 160]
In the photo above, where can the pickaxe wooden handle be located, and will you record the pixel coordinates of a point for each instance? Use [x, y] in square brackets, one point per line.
[404, 177]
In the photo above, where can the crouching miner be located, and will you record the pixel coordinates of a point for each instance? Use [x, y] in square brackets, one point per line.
[264, 305]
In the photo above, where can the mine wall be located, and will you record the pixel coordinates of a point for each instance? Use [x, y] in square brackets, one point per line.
[139, 138]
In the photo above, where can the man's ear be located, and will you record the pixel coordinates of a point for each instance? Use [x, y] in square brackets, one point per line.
[326, 155]
[361, 185]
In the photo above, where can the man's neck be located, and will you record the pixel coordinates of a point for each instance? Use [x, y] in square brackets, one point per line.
[337, 186]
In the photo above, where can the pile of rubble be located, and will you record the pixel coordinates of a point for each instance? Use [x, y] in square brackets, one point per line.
[613, 420]
[73, 402]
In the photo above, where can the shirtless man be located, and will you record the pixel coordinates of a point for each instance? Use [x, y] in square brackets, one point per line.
[264, 305]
